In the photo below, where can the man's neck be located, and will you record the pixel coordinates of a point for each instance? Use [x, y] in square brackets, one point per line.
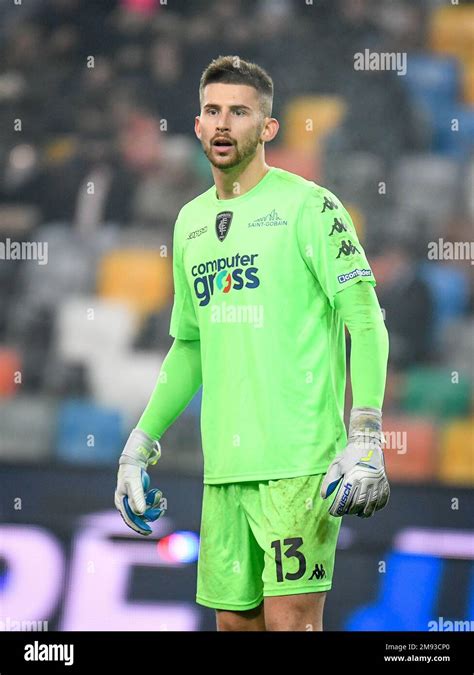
[238, 181]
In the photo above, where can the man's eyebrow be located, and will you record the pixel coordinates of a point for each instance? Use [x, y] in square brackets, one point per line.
[232, 107]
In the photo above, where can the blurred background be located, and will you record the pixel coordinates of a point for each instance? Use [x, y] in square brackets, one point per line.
[97, 156]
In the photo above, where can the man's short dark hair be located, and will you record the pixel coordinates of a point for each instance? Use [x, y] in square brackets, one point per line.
[234, 70]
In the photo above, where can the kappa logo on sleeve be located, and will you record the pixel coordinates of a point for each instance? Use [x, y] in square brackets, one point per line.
[342, 278]
[338, 226]
[329, 204]
[347, 248]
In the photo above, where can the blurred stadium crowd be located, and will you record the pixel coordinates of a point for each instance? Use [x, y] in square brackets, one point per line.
[98, 154]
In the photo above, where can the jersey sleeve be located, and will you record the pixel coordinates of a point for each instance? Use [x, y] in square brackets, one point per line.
[329, 244]
[183, 323]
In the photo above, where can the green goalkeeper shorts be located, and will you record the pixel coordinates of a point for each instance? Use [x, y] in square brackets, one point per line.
[264, 538]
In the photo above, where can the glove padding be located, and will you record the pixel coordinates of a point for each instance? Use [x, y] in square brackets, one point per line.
[152, 512]
[358, 476]
[136, 503]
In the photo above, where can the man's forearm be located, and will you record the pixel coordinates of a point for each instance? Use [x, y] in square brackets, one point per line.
[359, 308]
[179, 379]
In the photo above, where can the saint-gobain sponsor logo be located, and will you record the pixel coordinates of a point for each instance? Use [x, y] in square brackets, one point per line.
[342, 278]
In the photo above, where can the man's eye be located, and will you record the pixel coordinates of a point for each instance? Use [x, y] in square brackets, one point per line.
[239, 112]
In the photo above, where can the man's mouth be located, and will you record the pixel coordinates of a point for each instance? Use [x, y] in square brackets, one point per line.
[222, 143]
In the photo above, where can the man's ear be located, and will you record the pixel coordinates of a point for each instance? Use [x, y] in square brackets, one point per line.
[197, 126]
[270, 130]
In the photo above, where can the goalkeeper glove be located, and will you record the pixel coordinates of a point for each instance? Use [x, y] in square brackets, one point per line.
[357, 475]
[136, 503]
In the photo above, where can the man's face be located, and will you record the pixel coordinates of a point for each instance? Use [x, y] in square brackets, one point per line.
[230, 124]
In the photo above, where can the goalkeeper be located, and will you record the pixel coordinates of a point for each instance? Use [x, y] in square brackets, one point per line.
[279, 468]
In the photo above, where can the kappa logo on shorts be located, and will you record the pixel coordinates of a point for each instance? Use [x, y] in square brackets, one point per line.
[318, 573]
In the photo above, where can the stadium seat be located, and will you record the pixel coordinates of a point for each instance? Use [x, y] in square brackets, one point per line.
[10, 364]
[154, 332]
[425, 184]
[467, 191]
[125, 381]
[433, 80]
[451, 31]
[141, 278]
[468, 83]
[88, 433]
[66, 379]
[90, 326]
[454, 130]
[456, 346]
[30, 329]
[434, 392]
[457, 453]
[410, 448]
[307, 119]
[10, 271]
[27, 423]
[141, 238]
[449, 288]
[70, 267]
[354, 176]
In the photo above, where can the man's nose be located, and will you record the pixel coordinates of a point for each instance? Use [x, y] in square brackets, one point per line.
[222, 122]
